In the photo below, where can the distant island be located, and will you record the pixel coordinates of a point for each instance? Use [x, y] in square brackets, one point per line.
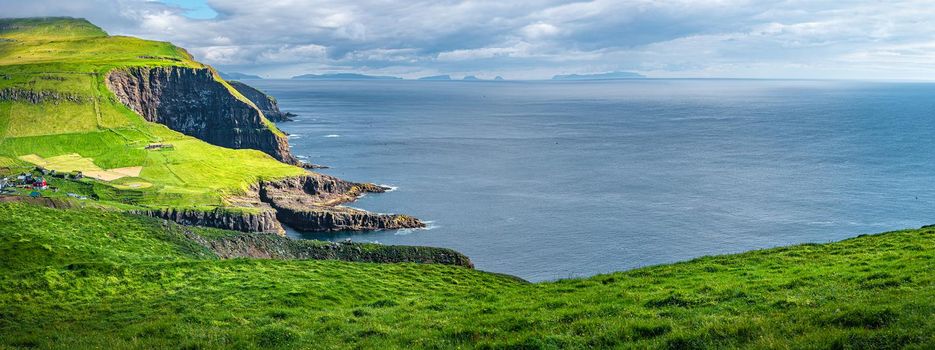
[436, 77]
[344, 76]
[238, 76]
[599, 76]
[470, 77]
[498, 78]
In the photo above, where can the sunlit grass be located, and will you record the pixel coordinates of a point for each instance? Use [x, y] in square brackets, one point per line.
[86, 278]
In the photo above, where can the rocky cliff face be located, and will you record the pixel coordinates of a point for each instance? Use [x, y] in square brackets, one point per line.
[266, 103]
[35, 97]
[312, 203]
[192, 102]
[264, 220]
[264, 246]
[343, 219]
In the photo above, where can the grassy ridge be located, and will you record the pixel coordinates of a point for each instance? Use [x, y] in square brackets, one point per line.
[71, 56]
[83, 278]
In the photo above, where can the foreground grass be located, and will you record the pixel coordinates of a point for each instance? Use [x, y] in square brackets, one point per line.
[85, 278]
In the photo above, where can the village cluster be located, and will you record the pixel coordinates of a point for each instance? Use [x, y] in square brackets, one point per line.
[34, 182]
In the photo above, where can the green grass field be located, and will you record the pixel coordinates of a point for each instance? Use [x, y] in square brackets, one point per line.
[95, 279]
[70, 56]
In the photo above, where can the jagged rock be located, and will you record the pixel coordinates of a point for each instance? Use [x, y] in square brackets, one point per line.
[193, 102]
[33, 96]
[260, 220]
[265, 246]
[310, 203]
[342, 219]
[266, 103]
[313, 166]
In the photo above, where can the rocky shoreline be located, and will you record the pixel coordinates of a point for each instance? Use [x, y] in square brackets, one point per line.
[310, 203]
[313, 203]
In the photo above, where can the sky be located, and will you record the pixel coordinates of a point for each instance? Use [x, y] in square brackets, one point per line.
[841, 39]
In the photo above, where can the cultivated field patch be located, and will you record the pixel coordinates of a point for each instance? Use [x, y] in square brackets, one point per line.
[75, 162]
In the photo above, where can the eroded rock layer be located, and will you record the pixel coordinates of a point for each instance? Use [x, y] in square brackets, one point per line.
[42, 96]
[264, 246]
[259, 220]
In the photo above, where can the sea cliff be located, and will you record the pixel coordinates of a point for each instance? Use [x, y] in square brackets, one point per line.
[264, 246]
[194, 102]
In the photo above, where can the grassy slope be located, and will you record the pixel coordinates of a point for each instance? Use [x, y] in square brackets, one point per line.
[85, 278]
[72, 56]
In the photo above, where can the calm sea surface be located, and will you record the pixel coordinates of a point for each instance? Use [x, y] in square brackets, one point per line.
[546, 180]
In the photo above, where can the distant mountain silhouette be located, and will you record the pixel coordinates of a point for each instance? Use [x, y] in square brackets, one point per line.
[436, 77]
[343, 76]
[599, 76]
[237, 76]
[470, 77]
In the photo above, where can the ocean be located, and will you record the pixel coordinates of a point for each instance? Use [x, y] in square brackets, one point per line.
[549, 180]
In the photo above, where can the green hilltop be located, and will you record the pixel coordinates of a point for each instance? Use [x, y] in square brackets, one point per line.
[68, 59]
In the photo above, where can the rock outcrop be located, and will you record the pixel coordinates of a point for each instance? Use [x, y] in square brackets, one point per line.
[312, 203]
[257, 220]
[265, 246]
[343, 219]
[193, 102]
[266, 103]
[41, 96]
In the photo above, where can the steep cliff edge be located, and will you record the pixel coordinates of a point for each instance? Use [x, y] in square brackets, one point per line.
[264, 246]
[262, 220]
[193, 102]
[266, 103]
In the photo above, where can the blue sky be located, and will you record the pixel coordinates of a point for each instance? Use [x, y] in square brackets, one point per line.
[888, 40]
[197, 9]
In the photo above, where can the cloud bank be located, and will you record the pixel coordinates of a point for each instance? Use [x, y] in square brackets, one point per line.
[531, 39]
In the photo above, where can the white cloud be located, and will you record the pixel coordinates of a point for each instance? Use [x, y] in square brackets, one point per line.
[533, 38]
[539, 30]
[486, 52]
[285, 54]
[219, 54]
